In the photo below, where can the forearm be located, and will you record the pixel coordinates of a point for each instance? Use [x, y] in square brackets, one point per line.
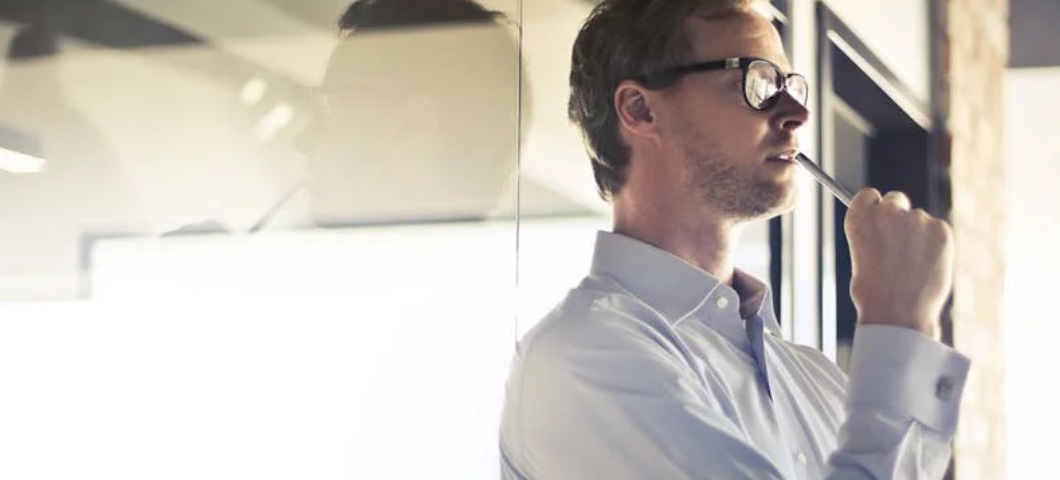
[902, 406]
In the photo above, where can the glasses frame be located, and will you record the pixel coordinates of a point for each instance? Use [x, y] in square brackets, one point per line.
[666, 77]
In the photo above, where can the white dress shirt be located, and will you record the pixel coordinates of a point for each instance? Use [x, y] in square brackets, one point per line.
[652, 369]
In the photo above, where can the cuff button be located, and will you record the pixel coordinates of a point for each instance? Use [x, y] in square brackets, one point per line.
[944, 389]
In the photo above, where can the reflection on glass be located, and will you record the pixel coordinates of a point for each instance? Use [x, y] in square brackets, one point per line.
[317, 275]
[415, 123]
[45, 205]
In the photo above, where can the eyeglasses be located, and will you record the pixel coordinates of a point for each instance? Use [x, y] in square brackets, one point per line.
[763, 81]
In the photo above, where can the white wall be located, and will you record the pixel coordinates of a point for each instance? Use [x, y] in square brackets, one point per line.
[369, 353]
[1033, 390]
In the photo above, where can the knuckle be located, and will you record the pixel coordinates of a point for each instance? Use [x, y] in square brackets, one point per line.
[890, 205]
[923, 218]
[943, 229]
[870, 191]
[897, 200]
[866, 196]
[939, 231]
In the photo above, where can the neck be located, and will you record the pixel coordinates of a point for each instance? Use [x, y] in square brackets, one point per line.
[702, 239]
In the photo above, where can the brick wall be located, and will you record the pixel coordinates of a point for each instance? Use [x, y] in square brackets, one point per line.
[971, 60]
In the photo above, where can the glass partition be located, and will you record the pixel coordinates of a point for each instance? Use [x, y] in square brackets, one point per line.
[283, 238]
[560, 210]
[258, 238]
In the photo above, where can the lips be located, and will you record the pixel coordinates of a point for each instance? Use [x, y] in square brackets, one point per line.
[786, 157]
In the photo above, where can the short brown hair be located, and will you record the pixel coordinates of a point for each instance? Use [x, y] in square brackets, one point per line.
[622, 39]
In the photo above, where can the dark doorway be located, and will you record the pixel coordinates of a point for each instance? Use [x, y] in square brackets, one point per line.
[875, 133]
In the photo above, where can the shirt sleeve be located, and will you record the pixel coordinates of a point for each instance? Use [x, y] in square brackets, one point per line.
[627, 406]
[902, 405]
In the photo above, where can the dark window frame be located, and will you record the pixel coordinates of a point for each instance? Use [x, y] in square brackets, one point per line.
[840, 52]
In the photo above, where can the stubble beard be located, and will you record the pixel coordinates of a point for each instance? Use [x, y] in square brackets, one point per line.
[738, 194]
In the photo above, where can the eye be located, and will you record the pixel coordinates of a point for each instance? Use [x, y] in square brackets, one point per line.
[760, 84]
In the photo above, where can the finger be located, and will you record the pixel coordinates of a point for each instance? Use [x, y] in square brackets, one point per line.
[897, 199]
[860, 205]
[866, 197]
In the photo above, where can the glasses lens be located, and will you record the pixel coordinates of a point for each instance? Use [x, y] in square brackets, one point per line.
[760, 85]
[798, 88]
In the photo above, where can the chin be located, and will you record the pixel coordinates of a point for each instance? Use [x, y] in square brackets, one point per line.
[788, 200]
[766, 202]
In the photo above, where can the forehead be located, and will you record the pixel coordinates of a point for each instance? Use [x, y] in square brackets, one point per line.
[740, 35]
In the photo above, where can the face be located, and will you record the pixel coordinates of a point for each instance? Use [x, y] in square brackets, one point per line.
[407, 135]
[733, 159]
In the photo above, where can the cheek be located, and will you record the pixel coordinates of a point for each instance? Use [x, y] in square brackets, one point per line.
[743, 131]
[696, 124]
[714, 123]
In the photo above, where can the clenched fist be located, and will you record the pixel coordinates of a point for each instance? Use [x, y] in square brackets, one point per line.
[902, 262]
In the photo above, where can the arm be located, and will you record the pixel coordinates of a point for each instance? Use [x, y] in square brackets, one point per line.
[905, 387]
[902, 405]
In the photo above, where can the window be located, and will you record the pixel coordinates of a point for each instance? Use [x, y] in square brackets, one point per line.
[874, 133]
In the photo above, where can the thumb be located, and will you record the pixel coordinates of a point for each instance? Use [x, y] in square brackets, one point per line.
[865, 198]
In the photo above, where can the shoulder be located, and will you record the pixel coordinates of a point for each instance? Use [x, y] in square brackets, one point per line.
[591, 319]
[600, 360]
[594, 345]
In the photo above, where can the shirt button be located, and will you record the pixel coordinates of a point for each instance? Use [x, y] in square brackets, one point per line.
[723, 302]
[801, 458]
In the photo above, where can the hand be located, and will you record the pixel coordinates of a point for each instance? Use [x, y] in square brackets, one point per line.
[902, 262]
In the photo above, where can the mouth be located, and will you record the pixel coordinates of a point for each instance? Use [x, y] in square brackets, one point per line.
[788, 156]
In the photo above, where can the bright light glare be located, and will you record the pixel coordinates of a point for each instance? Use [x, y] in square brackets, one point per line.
[252, 91]
[16, 162]
[274, 121]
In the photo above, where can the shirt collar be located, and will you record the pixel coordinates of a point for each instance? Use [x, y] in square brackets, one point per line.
[671, 285]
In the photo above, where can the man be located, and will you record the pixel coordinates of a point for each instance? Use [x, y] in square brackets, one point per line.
[665, 362]
[417, 115]
[416, 119]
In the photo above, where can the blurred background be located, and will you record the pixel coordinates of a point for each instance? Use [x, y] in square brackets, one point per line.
[299, 238]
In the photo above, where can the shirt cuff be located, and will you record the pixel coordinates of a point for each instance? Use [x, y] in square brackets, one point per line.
[906, 372]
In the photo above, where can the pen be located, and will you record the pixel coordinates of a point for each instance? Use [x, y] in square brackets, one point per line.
[833, 186]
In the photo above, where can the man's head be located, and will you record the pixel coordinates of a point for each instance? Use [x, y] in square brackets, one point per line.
[32, 43]
[417, 115]
[663, 123]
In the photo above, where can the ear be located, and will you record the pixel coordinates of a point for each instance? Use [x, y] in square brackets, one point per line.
[633, 103]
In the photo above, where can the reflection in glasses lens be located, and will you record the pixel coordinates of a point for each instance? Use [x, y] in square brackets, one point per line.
[760, 84]
[763, 83]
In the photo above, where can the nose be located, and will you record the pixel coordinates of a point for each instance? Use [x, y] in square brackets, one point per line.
[789, 114]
